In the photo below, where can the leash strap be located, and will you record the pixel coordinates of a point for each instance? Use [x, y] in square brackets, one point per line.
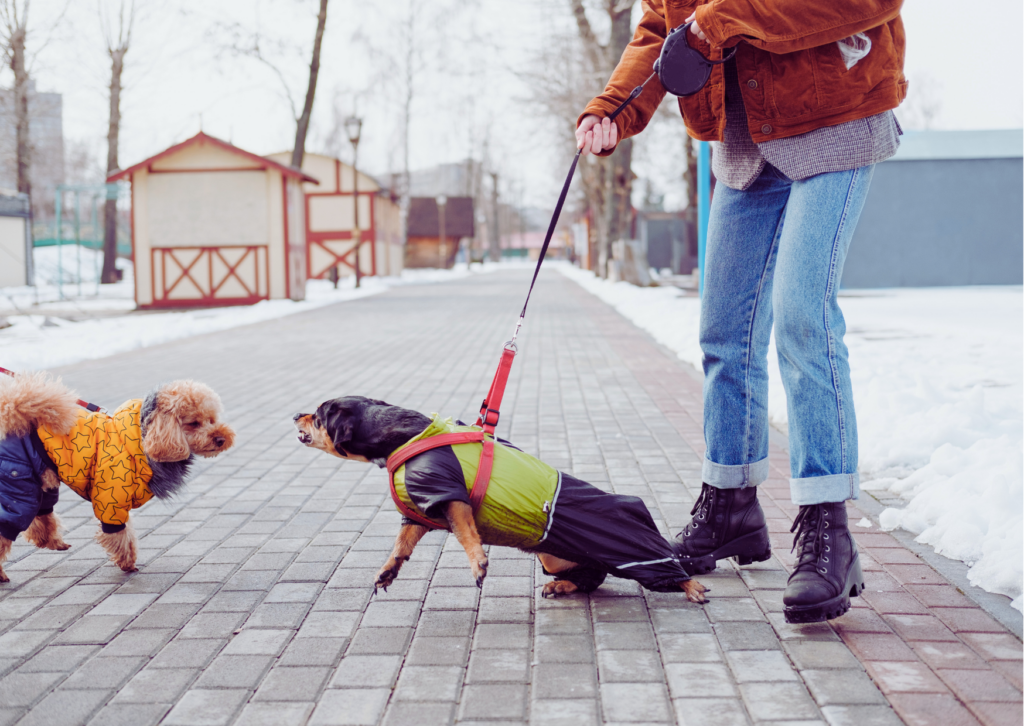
[483, 471]
[84, 404]
[490, 410]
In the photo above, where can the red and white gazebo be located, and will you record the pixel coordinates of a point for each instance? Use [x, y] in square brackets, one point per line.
[213, 224]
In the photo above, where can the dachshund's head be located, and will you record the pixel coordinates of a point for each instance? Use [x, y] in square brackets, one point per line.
[183, 418]
[363, 429]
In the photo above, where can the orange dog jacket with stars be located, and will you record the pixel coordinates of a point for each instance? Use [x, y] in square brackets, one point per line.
[101, 459]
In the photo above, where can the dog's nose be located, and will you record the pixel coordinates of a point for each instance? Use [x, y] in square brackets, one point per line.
[297, 416]
[219, 441]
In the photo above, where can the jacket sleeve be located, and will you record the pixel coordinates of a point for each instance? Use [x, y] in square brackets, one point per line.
[636, 64]
[785, 26]
[435, 478]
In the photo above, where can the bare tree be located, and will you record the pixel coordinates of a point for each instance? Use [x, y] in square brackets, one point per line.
[302, 124]
[14, 27]
[607, 181]
[118, 43]
[923, 104]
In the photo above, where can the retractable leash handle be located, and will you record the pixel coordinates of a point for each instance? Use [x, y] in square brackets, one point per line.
[84, 404]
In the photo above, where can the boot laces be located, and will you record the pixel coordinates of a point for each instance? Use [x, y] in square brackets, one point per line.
[811, 526]
[701, 508]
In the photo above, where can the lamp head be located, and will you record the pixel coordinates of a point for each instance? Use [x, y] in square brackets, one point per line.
[353, 125]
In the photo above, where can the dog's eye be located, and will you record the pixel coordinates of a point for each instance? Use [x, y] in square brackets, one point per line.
[193, 424]
[316, 421]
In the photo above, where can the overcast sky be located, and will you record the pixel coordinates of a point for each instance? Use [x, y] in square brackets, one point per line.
[470, 87]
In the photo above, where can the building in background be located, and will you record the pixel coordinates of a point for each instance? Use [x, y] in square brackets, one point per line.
[330, 216]
[947, 209]
[15, 240]
[435, 235]
[213, 224]
[46, 134]
[670, 239]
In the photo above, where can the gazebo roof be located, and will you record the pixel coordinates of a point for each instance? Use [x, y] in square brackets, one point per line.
[202, 138]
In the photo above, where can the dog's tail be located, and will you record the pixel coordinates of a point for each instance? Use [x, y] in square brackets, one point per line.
[31, 400]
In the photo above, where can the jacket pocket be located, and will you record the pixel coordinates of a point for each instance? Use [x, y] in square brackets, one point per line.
[15, 471]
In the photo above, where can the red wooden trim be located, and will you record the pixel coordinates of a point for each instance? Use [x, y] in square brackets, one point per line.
[231, 271]
[373, 237]
[185, 271]
[208, 297]
[203, 302]
[200, 138]
[204, 169]
[337, 175]
[309, 261]
[287, 240]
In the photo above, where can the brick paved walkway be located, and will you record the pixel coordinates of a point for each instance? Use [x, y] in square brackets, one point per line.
[252, 605]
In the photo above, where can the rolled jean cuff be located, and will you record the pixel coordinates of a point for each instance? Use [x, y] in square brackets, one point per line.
[821, 489]
[734, 476]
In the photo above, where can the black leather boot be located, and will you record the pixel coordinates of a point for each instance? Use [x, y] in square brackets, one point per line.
[726, 523]
[827, 572]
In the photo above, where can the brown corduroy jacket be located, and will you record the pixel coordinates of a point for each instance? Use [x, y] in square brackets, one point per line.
[791, 72]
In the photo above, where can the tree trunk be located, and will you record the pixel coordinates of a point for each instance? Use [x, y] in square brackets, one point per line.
[495, 231]
[619, 203]
[109, 274]
[307, 109]
[21, 80]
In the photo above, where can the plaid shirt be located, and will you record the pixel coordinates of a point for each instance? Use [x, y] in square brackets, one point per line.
[737, 160]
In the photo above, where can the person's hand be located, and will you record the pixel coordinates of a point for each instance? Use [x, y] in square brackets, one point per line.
[595, 135]
[695, 29]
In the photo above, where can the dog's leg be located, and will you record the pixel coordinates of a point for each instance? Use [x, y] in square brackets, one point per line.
[460, 518]
[408, 537]
[44, 532]
[122, 547]
[694, 591]
[5, 549]
[554, 565]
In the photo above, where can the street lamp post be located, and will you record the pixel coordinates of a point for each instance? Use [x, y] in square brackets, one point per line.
[353, 125]
[442, 202]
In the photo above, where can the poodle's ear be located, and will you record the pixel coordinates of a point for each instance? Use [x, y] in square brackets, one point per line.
[164, 440]
[341, 421]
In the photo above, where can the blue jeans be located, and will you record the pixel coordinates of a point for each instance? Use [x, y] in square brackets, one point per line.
[776, 251]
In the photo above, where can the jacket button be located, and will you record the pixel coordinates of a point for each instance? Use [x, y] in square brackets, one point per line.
[14, 472]
[751, 83]
[766, 129]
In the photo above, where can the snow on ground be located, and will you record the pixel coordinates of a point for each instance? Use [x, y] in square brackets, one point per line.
[39, 337]
[937, 382]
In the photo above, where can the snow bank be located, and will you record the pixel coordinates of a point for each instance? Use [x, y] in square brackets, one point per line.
[38, 341]
[937, 381]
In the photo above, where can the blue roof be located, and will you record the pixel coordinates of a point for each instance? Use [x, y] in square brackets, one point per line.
[989, 144]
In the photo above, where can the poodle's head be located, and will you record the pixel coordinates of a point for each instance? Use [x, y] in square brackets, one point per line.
[183, 418]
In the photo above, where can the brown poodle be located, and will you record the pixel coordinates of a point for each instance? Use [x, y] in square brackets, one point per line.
[117, 461]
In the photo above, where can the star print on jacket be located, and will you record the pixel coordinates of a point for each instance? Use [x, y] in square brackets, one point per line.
[102, 460]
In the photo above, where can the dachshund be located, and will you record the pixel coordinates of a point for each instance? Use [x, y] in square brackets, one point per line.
[579, 533]
[118, 461]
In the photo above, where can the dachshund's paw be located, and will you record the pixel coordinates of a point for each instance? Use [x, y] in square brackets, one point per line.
[694, 591]
[3, 576]
[59, 545]
[558, 587]
[128, 567]
[479, 567]
[388, 573]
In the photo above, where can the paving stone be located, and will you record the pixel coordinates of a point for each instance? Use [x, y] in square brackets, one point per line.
[314, 651]
[153, 685]
[492, 701]
[277, 615]
[562, 620]
[505, 610]
[275, 714]
[452, 598]
[564, 649]
[680, 620]
[367, 671]
[710, 712]
[258, 642]
[130, 714]
[213, 625]
[817, 654]
[499, 666]
[438, 651]
[760, 665]
[689, 648]
[190, 653]
[24, 689]
[380, 641]
[105, 673]
[429, 683]
[164, 616]
[391, 614]
[350, 599]
[564, 680]
[746, 635]
[776, 701]
[418, 714]
[203, 707]
[66, 707]
[630, 666]
[699, 680]
[499, 635]
[234, 671]
[861, 716]
[842, 687]
[643, 702]
[350, 707]
[624, 636]
[979, 685]
[561, 712]
[58, 658]
[329, 624]
[292, 684]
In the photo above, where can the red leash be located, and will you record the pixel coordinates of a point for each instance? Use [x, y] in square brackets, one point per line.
[84, 404]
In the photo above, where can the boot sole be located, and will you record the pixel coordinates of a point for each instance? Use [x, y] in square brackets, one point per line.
[739, 549]
[830, 609]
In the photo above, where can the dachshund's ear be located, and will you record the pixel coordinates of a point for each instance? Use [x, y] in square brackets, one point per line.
[341, 422]
[164, 440]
